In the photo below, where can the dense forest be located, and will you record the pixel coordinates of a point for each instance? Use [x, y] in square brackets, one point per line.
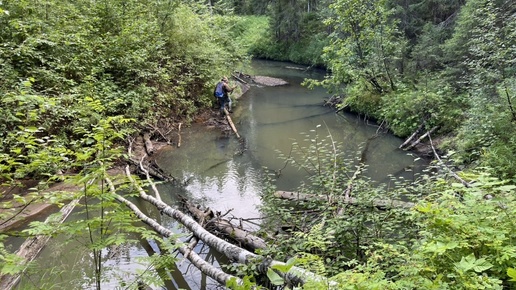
[79, 78]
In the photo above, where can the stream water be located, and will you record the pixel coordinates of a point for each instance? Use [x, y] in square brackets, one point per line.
[270, 120]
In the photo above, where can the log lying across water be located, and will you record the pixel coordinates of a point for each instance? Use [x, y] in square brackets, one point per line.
[378, 203]
[232, 252]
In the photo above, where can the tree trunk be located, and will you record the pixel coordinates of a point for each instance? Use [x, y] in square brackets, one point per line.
[231, 123]
[412, 136]
[421, 138]
[208, 269]
[240, 235]
[232, 252]
[380, 204]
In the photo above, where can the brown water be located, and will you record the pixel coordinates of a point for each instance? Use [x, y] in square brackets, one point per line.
[215, 174]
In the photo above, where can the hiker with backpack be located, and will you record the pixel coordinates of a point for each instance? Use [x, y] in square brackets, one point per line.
[221, 93]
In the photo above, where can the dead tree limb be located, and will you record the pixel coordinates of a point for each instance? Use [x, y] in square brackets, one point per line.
[179, 135]
[232, 252]
[231, 123]
[421, 138]
[464, 182]
[380, 204]
[234, 232]
[156, 129]
[412, 136]
[148, 144]
[153, 185]
[207, 268]
[349, 188]
[150, 168]
[238, 79]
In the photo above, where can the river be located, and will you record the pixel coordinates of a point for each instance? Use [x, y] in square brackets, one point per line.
[269, 120]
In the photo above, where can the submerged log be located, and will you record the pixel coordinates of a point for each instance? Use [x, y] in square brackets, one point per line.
[378, 203]
[31, 248]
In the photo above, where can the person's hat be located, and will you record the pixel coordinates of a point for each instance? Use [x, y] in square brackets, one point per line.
[225, 79]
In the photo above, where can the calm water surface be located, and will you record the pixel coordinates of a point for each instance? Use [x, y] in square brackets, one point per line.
[270, 120]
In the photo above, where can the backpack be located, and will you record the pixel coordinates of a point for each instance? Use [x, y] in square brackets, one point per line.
[219, 92]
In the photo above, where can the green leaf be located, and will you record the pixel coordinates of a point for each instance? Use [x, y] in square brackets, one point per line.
[511, 272]
[466, 263]
[274, 277]
[471, 263]
[481, 265]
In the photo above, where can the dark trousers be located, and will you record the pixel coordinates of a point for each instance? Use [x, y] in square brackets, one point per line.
[222, 103]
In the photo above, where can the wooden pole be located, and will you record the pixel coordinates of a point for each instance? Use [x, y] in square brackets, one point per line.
[231, 123]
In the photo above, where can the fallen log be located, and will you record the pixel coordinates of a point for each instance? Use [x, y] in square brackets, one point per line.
[380, 204]
[150, 168]
[148, 144]
[421, 138]
[412, 136]
[239, 79]
[238, 234]
[231, 123]
[31, 248]
[208, 269]
[232, 252]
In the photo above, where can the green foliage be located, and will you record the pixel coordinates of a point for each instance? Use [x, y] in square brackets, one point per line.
[482, 36]
[432, 105]
[324, 232]
[465, 239]
[12, 263]
[456, 237]
[274, 277]
[65, 65]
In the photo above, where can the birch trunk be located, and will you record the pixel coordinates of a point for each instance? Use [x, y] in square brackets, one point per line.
[380, 204]
[232, 252]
